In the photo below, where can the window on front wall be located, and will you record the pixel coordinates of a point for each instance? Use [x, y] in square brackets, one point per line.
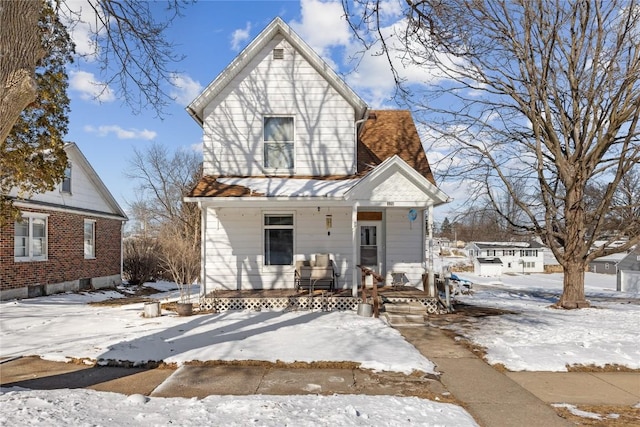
[89, 238]
[65, 187]
[30, 240]
[278, 143]
[278, 239]
[529, 252]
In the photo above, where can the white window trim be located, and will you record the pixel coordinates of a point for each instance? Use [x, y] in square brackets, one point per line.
[70, 179]
[93, 228]
[30, 216]
[264, 227]
[279, 171]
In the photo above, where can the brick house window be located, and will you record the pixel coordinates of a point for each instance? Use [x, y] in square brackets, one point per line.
[30, 242]
[89, 239]
[278, 143]
[278, 239]
[65, 187]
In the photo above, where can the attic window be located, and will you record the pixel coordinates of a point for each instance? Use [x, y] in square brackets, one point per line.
[278, 53]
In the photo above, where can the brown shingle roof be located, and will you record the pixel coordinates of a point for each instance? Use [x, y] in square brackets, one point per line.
[387, 132]
[392, 132]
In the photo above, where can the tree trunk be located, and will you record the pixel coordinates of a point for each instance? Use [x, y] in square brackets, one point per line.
[573, 289]
[20, 51]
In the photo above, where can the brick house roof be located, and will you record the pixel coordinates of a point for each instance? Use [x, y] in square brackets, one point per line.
[384, 134]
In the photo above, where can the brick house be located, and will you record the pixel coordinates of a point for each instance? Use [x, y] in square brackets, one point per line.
[68, 239]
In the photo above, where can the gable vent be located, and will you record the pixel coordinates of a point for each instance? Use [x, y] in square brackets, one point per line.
[278, 53]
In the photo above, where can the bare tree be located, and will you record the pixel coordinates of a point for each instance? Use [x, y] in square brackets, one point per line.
[164, 179]
[130, 44]
[543, 94]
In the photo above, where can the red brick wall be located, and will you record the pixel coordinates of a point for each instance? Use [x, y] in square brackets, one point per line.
[65, 252]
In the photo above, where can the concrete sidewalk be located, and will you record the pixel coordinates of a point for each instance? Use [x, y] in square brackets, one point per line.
[491, 397]
[517, 398]
[204, 380]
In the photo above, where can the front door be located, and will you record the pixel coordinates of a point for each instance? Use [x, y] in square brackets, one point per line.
[370, 245]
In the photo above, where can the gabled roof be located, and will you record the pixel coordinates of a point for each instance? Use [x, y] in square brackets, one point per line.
[276, 27]
[388, 133]
[396, 165]
[76, 156]
[96, 181]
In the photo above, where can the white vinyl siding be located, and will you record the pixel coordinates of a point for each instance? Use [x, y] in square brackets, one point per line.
[233, 122]
[404, 246]
[30, 238]
[234, 250]
[84, 192]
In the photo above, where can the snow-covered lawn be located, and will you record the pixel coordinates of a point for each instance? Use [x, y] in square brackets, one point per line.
[541, 338]
[535, 338]
[63, 327]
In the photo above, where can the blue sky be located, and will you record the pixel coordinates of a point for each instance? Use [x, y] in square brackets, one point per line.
[209, 35]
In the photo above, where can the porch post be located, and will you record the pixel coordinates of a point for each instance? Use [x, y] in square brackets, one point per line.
[430, 273]
[354, 250]
[203, 250]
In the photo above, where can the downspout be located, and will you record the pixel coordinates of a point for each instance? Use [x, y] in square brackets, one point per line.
[354, 249]
[203, 250]
[430, 273]
[122, 250]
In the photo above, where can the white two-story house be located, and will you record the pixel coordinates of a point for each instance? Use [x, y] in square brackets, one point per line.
[496, 258]
[296, 164]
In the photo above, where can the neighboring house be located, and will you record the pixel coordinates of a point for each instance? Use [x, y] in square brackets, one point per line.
[296, 164]
[514, 257]
[628, 279]
[606, 264]
[68, 239]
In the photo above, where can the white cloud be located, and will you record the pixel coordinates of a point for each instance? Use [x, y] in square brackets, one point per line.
[239, 36]
[83, 25]
[121, 133]
[322, 26]
[89, 87]
[197, 147]
[185, 88]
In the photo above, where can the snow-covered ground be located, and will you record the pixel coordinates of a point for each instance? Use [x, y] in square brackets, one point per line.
[535, 338]
[540, 338]
[63, 327]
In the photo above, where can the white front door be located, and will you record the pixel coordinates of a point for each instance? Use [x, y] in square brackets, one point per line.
[370, 248]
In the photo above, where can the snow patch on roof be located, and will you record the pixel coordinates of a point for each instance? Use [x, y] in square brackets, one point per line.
[292, 187]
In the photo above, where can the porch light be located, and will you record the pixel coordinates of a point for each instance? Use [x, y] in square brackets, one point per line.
[328, 221]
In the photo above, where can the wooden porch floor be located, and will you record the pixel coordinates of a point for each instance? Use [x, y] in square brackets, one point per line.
[386, 291]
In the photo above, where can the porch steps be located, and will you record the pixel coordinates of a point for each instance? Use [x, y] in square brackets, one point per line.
[405, 313]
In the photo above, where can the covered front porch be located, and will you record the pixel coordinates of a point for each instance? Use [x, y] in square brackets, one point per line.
[322, 300]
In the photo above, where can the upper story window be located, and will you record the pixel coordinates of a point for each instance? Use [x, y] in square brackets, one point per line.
[89, 239]
[30, 240]
[65, 187]
[529, 252]
[278, 143]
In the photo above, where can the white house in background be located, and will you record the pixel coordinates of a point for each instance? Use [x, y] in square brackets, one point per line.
[628, 279]
[296, 164]
[513, 257]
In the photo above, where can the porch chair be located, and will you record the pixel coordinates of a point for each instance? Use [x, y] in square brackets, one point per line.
[316, 273]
